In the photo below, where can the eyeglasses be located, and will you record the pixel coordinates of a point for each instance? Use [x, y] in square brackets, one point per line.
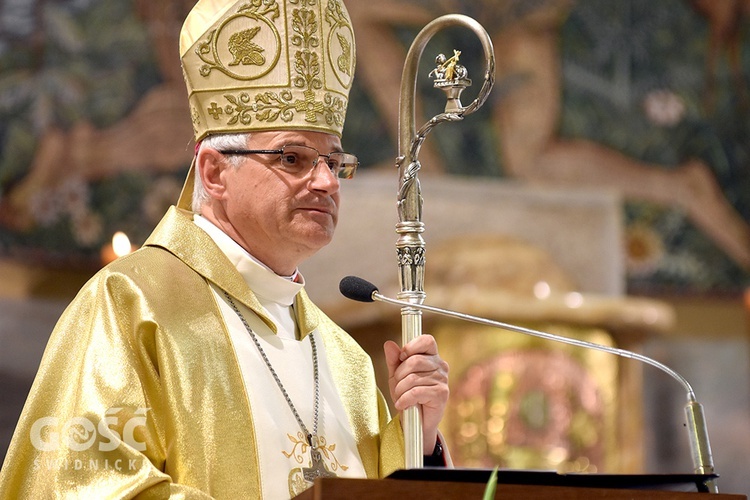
[297, 159]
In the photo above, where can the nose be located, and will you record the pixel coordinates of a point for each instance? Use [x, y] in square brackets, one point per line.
[322, 178]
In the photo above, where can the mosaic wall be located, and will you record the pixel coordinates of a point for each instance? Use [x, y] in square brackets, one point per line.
[646, 98]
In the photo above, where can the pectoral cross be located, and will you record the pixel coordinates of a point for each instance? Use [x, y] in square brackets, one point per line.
[318, 467]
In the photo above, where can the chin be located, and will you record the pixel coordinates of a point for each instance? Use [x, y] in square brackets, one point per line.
[316, 238]
[314, 234]
[321, 240]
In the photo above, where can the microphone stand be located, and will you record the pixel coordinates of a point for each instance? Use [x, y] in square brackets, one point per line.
[696, 422]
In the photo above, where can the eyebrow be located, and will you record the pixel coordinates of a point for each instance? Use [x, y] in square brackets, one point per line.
[336, 149]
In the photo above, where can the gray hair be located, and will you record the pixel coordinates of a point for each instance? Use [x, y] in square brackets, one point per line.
[217, 141]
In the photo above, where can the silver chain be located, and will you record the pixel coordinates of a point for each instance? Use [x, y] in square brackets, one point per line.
[316, 378]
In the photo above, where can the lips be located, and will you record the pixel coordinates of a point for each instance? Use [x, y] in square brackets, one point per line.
[320, 206]
[317, 210]
[326, 210]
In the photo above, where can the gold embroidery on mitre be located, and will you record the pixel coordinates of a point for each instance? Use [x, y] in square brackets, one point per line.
[195, 117]
[244, 50]
[344, 60]
[270, 65]
[340, 26]
[239, 44]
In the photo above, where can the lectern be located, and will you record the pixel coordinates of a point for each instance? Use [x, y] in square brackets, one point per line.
[467, 484]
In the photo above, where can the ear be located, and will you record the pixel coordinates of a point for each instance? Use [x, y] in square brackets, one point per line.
[211, 164]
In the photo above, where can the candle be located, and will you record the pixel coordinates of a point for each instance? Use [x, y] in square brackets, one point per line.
[119, 247]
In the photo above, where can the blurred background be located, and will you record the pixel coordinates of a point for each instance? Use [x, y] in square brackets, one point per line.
[602, 192]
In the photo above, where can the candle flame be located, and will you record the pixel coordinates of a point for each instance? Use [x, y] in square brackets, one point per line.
[121, 244]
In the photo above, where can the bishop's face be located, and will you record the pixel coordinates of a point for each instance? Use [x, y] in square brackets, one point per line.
[279, 215]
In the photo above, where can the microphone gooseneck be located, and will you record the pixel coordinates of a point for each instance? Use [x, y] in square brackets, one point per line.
[362, 290]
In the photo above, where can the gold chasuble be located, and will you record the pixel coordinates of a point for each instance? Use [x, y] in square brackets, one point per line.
[140, 393]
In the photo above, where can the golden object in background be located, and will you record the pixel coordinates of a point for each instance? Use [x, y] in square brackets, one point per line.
[521, 403]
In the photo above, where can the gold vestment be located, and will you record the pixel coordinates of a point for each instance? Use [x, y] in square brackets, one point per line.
[140, 395]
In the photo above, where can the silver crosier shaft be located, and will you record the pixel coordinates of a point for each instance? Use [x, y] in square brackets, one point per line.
[452, 79]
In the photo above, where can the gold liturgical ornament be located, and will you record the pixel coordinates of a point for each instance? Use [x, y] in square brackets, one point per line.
[260, 65]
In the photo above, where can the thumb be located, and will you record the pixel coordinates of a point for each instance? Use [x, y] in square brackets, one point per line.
[392, 356]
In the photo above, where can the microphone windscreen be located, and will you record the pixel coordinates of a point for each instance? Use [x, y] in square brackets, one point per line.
[356, 288]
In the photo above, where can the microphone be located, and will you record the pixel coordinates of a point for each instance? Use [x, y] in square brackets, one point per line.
[355, 288]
